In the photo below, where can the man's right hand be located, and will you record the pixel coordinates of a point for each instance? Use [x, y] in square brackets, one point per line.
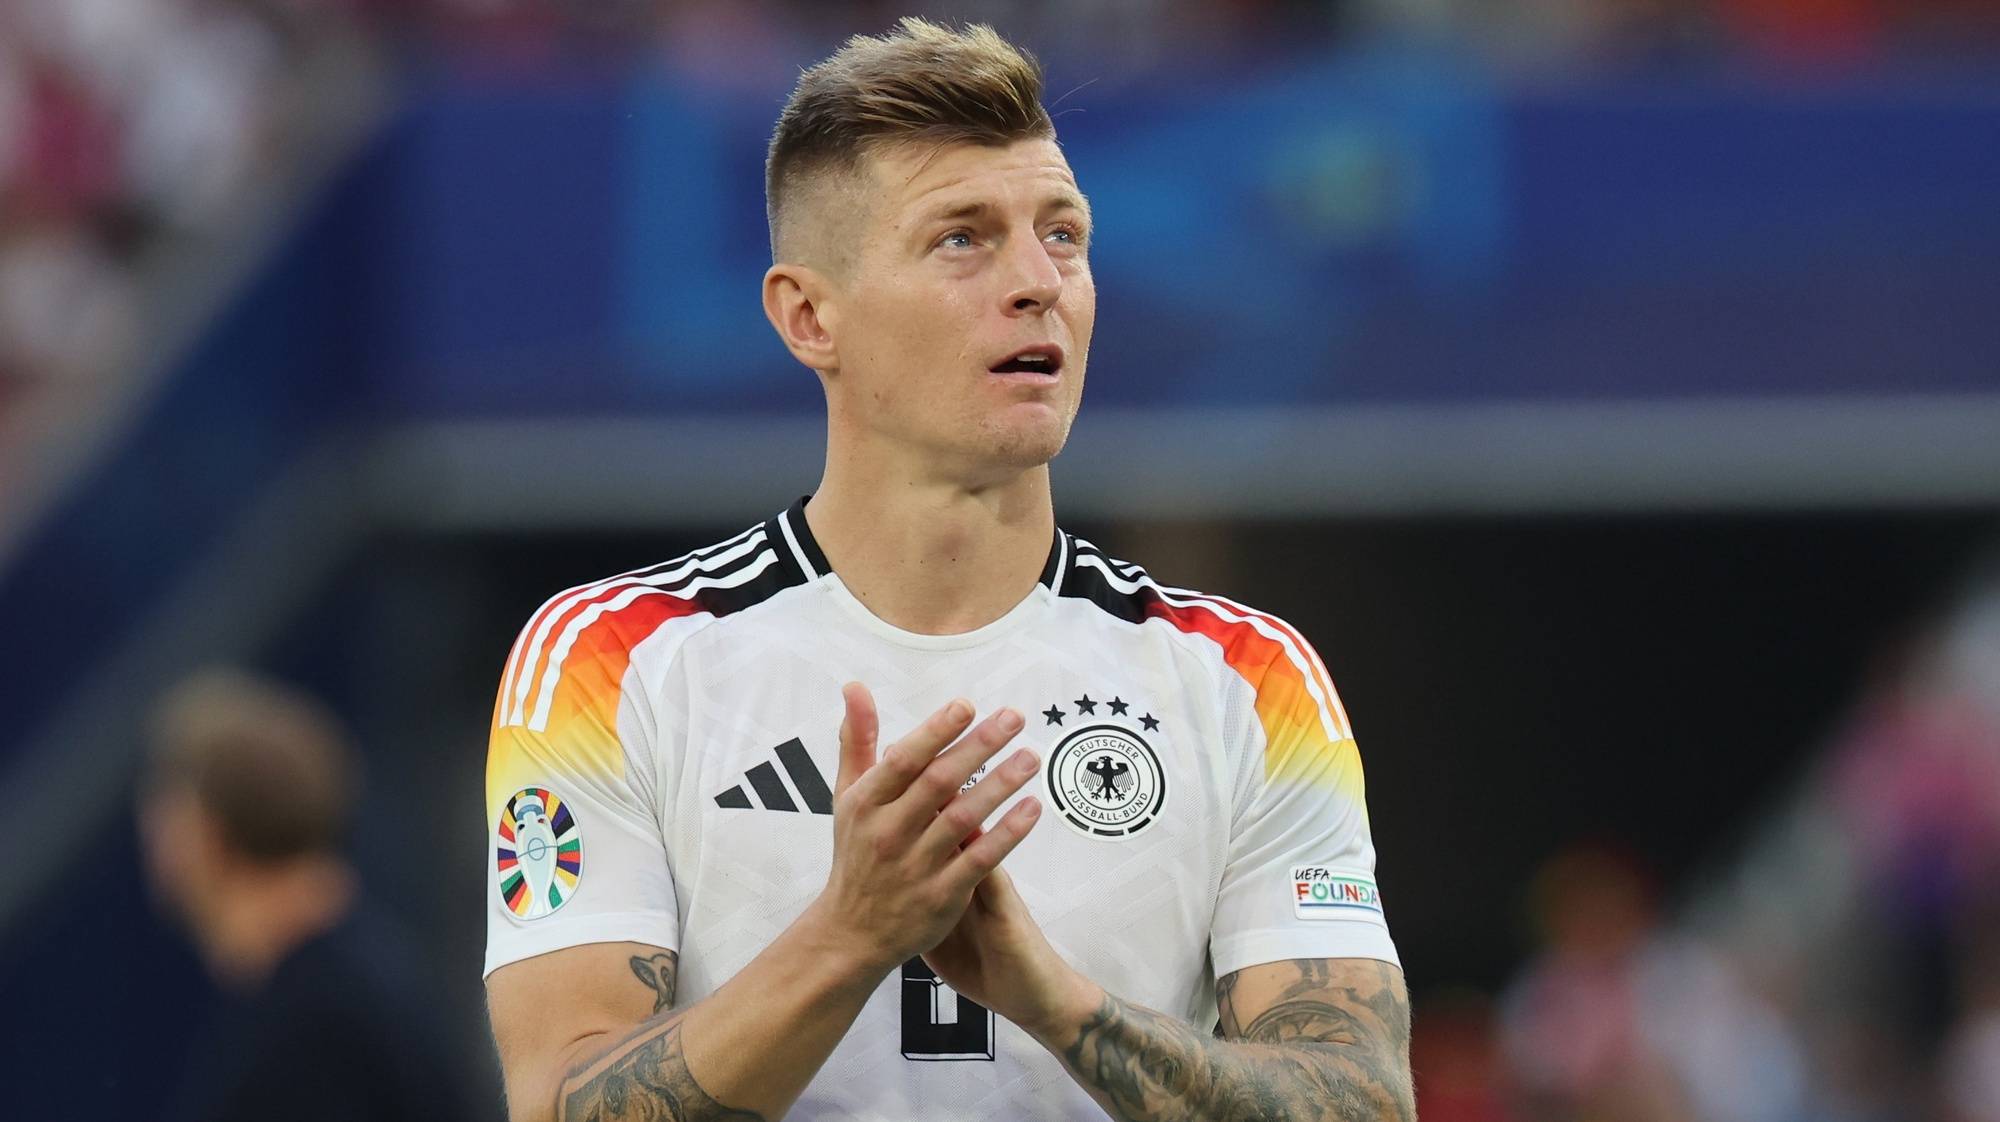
[907, 845]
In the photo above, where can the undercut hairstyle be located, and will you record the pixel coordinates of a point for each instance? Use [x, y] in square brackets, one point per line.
[270, 765]
[920, 84]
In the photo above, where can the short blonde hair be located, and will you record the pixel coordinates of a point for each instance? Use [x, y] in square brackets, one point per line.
[918, 84]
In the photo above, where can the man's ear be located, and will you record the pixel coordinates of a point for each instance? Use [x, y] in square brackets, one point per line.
[796, 302]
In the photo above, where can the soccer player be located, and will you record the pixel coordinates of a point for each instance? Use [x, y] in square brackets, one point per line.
[759, 845]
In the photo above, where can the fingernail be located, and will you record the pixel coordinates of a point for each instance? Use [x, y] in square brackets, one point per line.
[961, 710]
[1010, 722]
[1026, 761]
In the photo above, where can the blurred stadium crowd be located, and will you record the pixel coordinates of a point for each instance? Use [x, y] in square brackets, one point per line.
[131, 133]
[1845, 967]
[1540, 30]
[128, 127]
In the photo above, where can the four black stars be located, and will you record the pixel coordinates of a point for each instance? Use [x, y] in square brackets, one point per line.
[1088, 707]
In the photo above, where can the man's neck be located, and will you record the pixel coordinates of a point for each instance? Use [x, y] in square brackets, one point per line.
[934, 558]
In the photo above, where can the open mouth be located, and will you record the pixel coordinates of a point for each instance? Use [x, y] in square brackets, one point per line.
[1045, 359]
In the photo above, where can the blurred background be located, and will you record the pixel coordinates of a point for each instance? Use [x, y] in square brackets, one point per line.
[1609, 388]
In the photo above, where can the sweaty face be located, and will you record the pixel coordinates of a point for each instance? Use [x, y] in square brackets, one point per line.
[964, 321]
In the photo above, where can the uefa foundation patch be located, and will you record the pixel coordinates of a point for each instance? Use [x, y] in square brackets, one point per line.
[1320, 893]
[537, 853]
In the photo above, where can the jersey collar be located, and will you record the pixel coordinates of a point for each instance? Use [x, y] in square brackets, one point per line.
[804, 553]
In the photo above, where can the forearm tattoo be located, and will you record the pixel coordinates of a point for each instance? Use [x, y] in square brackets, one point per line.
[646, 1077]
[1322, 1051]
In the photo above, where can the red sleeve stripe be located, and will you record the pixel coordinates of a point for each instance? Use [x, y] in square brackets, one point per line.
[687, 594]
[1217, 621]
[1316, 669]
[530, 659]
[656, 608]
[534, 637]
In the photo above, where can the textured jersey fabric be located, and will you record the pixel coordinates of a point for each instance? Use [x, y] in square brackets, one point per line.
[665, 741]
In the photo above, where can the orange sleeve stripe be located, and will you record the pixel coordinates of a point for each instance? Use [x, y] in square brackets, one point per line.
[1313, 662]
[637, 619]
[1260, 659]
[528, 648]
[1297, 743]
[531, 649]
[543, 632]
[582, 730]
[593, 673]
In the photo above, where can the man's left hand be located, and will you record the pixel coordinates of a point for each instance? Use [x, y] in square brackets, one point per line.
[998, 957]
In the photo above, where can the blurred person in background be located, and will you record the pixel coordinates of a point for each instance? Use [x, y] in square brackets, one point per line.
[331, 1016]
[1622, 1017]
[1574, 1023]
[1913, 788]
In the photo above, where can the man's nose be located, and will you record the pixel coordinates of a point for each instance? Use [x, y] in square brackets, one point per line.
[1037, 283]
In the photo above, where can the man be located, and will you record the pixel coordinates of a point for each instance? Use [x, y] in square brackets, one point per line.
[708, 929]
[329, 1016]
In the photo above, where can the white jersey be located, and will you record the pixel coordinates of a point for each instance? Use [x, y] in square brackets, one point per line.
[665, 742]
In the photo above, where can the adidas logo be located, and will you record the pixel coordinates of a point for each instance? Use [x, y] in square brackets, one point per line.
[771, 792]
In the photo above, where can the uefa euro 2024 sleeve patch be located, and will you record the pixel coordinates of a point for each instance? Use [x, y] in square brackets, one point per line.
[1318, 892]
[537, 853]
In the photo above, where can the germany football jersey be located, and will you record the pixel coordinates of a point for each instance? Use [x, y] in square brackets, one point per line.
[662, 760]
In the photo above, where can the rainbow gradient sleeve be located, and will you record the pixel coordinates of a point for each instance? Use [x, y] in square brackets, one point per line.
[576, 850]
[1300, 876]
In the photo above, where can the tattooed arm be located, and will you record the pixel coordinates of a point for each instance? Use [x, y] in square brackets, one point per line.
[1306, 1039]
[592, 1032]
[903, 871]
[650, 1064]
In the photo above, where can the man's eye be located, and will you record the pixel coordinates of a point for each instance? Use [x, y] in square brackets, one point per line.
[956, 240]
[1067, 234]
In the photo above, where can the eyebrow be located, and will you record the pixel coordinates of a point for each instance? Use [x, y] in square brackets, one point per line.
[1064, 200]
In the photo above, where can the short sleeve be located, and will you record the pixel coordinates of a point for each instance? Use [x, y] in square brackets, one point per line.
[1299, 879]
[575, 852]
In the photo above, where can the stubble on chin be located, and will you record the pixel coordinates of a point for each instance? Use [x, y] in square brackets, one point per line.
[1026, 445]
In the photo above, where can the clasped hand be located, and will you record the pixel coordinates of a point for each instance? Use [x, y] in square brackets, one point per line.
[914, 873]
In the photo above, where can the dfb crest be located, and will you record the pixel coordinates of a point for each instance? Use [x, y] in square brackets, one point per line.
[1107, 781]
